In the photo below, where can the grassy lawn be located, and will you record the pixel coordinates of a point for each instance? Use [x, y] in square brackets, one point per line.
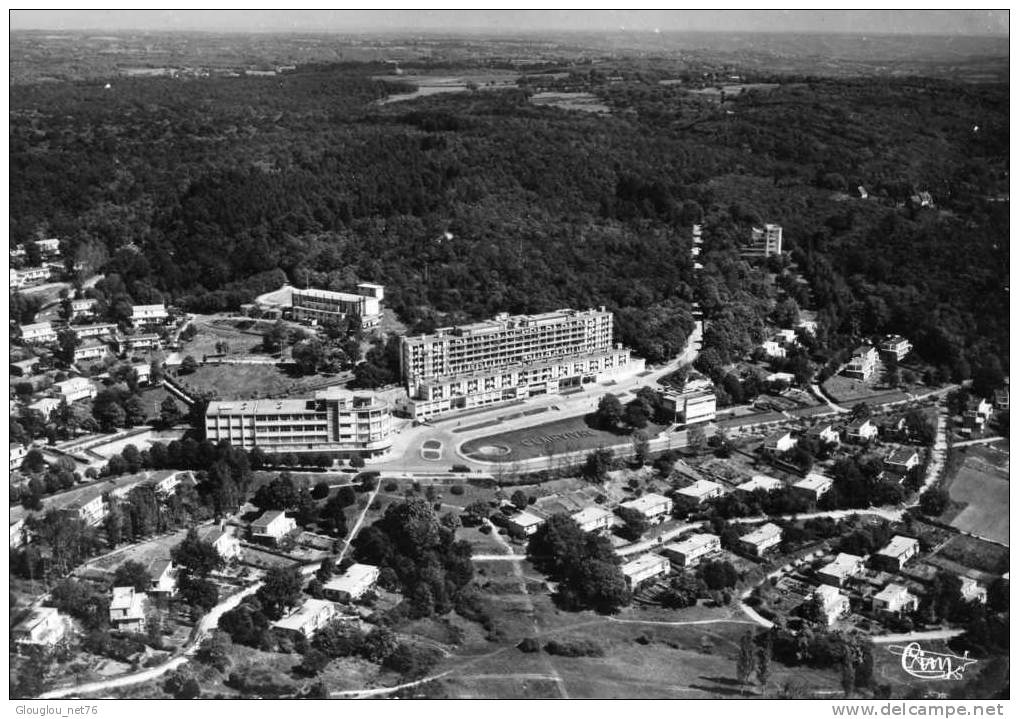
[145, 552]
[248, 381]
[566, 435]
[976, 554]
[980, 486]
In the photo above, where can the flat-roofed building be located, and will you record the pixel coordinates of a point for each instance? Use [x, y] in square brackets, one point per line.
[49, 247]
[165, 486]
[813, 486]
[103, 329]
[272, 526]
[510, 358]
[29, 276]
[307, 619]
[352, 584]
[654, 507]
[690, 551]
[91, 350]
[76, 388]
[836, 572]
[17, 452]
[695, 404]
[38, 333]
[323, 305]
[593, 519]
[143, 370]
[894, 347]
[862, 363]
[764, 241]
[142, 343]
[972, 590]
[525, 524]
[92, 510]
[834, 604]
[861, 430]
[894, 599]
[896, 553]
[644, 568]
[334, 420]
[46, 406]
[761, 539]
[144, 315]
[127, 610]
[702, 490]
[42, 627]
[83, 307]
[773, 349]
[1001, 398]
[759, 482]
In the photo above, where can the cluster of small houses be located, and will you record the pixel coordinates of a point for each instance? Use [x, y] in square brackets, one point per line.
[97, 340]
[127, 611]
[49, 249]
[893, 597]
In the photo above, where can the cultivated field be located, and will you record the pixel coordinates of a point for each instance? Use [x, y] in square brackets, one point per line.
[250, 381]
[981, 483]
[846, 390]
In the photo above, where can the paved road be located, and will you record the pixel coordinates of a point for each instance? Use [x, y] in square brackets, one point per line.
[918, 636]
[208, 622]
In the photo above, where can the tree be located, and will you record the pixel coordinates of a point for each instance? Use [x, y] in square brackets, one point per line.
[198, 592]
[610, 412]
[279, 494]
[745, 659]
[169, 412]
[764, 654]
[133, 574]
[934, 501]
[320, 490]
[719, 574]
[518, 499]
[641, 447]
[68, 341]
[308, 355]
[195, 557]
[189, 365]
[379, 643]
[695, 439]
[34, 461]
[635, 415]
[598, 464]
[314, 662]
[280, 591]
[215, 651]
[635, 523]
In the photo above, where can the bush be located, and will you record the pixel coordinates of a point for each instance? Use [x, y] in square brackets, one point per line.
[412, 660]
[390, 486]
[529, 645]
[460, 468]
[575, 648]
[456, 489]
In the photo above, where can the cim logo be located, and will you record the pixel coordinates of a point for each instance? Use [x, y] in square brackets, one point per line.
[923, 664]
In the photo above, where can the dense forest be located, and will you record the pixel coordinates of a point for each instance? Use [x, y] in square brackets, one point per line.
[464, 205]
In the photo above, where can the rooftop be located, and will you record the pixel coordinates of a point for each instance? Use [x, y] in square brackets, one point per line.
[892, 592]
[123, 598]
[700, 488]
[506, 322]
[898, 546]
[843, 565]
[590, 514]
[814, 482]
[901, 455]
[356, 576]
[267, 518]
[646, 503]
[692, 543]
[763, 533]
[643, 563]
[308, 611]
[761, 481]
[526, 519]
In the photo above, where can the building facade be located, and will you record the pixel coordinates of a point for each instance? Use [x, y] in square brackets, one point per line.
[862, 363]
[334, 420]
[695, 404]
[510, 358]
[764, 241]
[644, 568]
[38, 333]
[692, 549]
[321, 305]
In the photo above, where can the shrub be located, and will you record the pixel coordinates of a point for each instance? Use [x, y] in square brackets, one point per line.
[390, 486]
[456, 489]
[574, 648]
[460, 468]
[529, 645]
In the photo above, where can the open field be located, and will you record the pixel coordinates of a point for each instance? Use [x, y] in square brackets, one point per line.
[581, 101]
[249, 381]
[846, 390]
[573, 434]
[158, 548]
[982, 485]
[975, 554]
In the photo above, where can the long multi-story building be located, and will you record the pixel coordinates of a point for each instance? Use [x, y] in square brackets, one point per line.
[509, 358]
[764, 242]
[334, 420]
[322, 305]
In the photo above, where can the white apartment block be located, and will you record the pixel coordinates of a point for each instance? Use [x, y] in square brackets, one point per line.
[836, 572]
[654, 507]
[49, 247]
[42, 627]
[696, 403]
[352, 584]
[509, 358]
[127, 610]
[89, 352]
[149, 314]
[80, 308]
[140, 343]
[894, 599]
[702, 489]
[862, 364]
[308, 619]
[226, 544]
[761, 539]
[83, 332]
[834, 604]
[592, 519]
[29, 276]
[272, 525]
[38, 333]
[334, 420]
[692, 549]
[764, 242]
[644, 568]
[895, 346]
[322, 305]
[76, 388]
[813, 486]
[18, 452]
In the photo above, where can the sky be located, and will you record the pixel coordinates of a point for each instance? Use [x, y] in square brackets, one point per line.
[930, 22]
